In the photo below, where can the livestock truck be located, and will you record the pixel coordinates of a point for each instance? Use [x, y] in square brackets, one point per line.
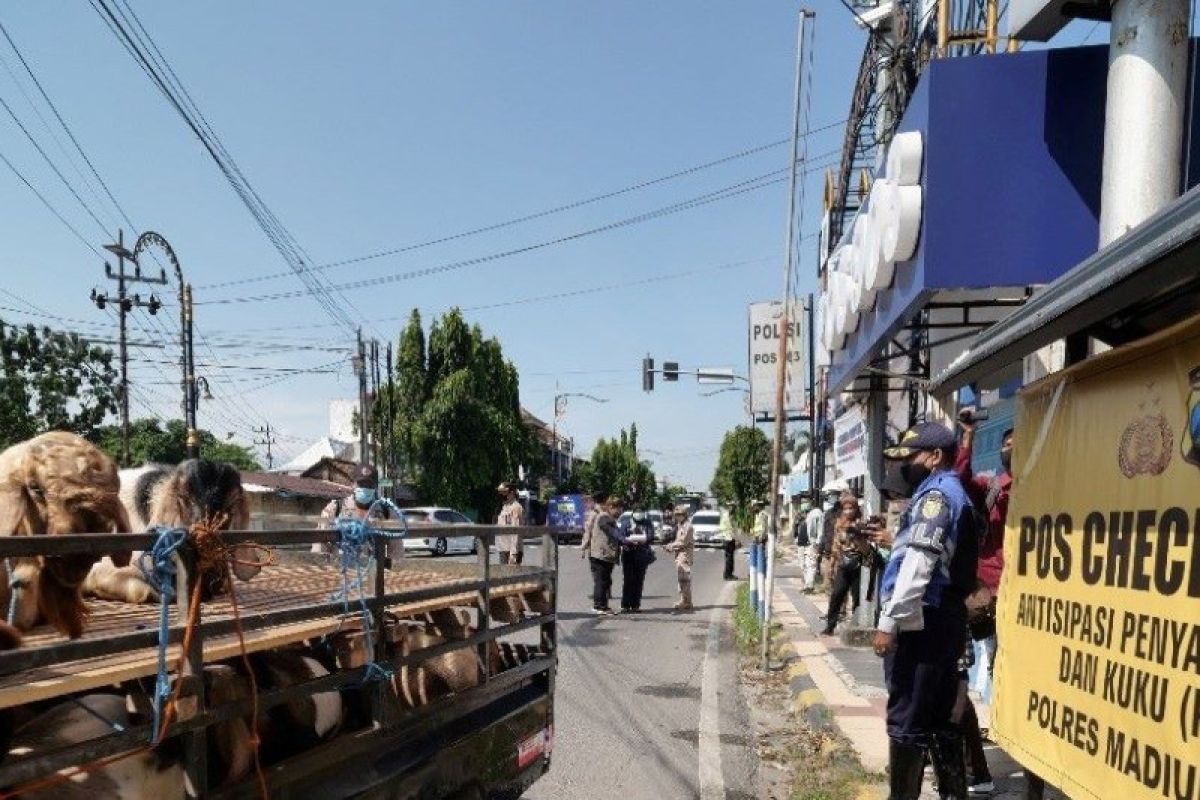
[418, 678]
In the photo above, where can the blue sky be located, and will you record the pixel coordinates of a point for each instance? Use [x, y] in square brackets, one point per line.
[375, 126]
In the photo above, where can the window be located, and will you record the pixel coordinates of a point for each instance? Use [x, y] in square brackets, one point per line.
[451, 517]
[416, 516]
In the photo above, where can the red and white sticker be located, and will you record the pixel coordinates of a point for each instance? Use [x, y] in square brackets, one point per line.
[533, 748]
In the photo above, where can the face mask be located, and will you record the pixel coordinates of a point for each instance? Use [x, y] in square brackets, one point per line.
[1006, 460]
[914, 475]
[364, 496]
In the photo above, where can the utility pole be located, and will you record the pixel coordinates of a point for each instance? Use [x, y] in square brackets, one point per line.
[360, 369]
[389, 448]
[267, 440]
[784, 335]
[125, 303]
[377, 448]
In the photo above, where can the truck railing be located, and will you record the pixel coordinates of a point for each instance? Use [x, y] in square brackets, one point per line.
[458, 580]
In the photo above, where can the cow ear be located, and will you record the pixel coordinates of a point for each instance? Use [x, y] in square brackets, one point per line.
[14, 508]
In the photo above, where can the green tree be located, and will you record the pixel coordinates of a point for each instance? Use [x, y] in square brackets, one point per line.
[668, 493]
[52, 381]
[459, 430]
[743, 472]
[614, 468]
[151, 442]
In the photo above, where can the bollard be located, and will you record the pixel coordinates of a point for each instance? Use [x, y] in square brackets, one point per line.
[752, 566]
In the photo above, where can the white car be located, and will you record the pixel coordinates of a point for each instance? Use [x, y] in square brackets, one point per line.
[422, 516]
[705, 525]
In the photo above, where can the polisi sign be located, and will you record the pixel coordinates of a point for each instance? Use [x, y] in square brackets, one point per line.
[766, 328]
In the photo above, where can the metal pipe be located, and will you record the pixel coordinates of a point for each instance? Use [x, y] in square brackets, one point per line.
[1143, 122]
[990, 34]
[943, 32]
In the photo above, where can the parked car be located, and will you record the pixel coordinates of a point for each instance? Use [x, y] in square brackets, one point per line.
[421, 516]
[705, 525]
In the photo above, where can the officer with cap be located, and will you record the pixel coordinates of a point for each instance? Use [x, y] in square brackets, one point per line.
[922, 622]
[512, 513]
[363, 503]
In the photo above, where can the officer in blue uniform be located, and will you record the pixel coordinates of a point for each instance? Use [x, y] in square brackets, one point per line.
[922, 623]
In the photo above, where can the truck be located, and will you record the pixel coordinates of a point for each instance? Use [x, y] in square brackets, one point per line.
[375, 630]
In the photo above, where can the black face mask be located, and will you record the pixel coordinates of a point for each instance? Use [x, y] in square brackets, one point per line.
[1006, 460]
[913, 475]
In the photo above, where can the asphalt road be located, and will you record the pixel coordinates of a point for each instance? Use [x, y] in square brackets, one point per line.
[648, 706]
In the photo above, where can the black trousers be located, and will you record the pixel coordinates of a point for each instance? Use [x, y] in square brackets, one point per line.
[845, 580]
[601, 582]
[633, 578]
[730, 548]
[922, 675]
[973, 741]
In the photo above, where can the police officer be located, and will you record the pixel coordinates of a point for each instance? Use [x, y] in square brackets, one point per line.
[512, 513]
[922, 622]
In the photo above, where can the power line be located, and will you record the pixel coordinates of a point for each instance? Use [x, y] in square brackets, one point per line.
[725, 193]
[530, 217]
[189, 112]
[47, 204]
[53, 108]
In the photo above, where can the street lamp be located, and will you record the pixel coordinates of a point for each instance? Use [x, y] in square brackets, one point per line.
[560, 409]
[187, 361]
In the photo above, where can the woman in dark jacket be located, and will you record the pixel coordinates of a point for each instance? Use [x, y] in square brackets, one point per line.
[636, 557]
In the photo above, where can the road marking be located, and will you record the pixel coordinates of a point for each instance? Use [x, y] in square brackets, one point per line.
[712, 777]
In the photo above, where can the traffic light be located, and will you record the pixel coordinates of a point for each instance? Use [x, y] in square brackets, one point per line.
[647, 374]
[670, 370]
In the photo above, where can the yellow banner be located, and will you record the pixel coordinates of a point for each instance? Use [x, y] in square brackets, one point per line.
[1098, 667]
[1098, 671]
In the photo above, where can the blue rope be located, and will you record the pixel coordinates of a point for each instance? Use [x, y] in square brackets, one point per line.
[14, 584]
[355, 536]
[158, 567]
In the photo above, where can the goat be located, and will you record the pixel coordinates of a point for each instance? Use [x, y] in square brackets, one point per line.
[83, 719]
[302, 722]
[53, 484]
[195, 491]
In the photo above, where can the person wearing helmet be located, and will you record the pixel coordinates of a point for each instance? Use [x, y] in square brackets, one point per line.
[636, 558]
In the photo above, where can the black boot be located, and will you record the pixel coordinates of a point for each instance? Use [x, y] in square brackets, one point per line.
[949, 765]
[906, 767]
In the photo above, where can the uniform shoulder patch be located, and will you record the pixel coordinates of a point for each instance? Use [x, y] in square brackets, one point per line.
[933, 506]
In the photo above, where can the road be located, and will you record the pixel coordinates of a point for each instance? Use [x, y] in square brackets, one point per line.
[648, 707]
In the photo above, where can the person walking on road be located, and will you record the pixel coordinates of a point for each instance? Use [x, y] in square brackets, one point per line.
[512, 513]
[604, 545]
[637, 557]
[729, 543]
[922, 622]
[683, 548]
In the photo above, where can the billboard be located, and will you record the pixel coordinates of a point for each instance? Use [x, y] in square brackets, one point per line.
[1098, 669]
[850, 443]
[765, 331]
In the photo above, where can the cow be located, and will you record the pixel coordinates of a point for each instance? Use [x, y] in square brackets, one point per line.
[55, 483]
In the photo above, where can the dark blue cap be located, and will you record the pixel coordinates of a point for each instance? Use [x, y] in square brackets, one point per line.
[926, 436]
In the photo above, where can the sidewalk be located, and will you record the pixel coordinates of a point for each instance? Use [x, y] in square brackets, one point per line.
[845, 684]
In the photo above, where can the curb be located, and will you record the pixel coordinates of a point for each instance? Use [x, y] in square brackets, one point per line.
[807, 700]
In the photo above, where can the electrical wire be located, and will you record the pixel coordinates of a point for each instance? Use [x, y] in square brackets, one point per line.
[529, 217]
[753, 184]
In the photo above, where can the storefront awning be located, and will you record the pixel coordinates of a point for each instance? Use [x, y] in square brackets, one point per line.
[1143, 282]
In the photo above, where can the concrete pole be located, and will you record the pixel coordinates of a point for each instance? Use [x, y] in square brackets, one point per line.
[1143, 124]
[783, 333]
